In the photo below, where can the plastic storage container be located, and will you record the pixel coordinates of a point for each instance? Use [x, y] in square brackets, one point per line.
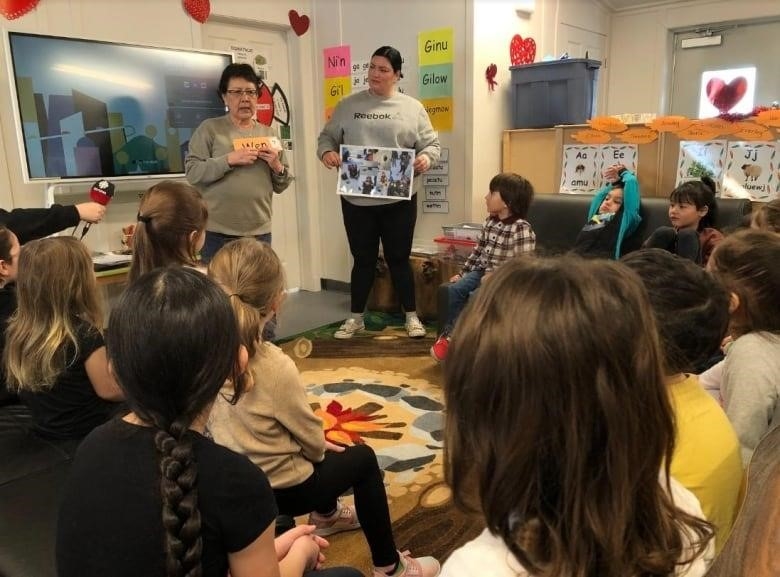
[455, 249]
[467, 230]
[556, 92]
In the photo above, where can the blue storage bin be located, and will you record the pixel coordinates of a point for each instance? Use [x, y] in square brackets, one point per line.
[556, 92]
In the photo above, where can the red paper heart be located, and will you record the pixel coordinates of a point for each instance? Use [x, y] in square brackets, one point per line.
[13, 9]
[724, 96]
[300, 24]
[198, 9]
[522, 51]
[265, 106]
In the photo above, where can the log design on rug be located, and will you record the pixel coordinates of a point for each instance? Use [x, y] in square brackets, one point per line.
[402, 422]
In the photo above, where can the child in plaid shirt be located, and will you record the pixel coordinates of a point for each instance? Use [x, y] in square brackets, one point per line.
[505, 234]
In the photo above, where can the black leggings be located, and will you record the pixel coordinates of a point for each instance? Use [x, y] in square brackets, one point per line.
[393, 224]
[357, 469]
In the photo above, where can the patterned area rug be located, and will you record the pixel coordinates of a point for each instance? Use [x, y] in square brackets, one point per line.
[394, 404]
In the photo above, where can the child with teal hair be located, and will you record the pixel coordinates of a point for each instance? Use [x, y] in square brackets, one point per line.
[612, 217]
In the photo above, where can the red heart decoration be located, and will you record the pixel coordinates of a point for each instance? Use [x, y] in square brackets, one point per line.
[522, 51]
[265, 105]
[724, 96]
[13, 9]
[198, 9]
[300, 24]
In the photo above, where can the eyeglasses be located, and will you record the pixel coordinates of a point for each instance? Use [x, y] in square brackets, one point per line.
[238, 92]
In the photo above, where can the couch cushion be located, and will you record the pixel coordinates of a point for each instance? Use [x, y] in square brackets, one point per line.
[558, 218]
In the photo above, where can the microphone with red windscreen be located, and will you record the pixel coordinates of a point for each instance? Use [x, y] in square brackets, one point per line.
[101, 192]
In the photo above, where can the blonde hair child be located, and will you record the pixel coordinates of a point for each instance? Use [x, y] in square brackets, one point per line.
[274, 425]
[55, 357]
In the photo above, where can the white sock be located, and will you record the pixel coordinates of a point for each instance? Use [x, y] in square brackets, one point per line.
[357, 316]
[411, 315]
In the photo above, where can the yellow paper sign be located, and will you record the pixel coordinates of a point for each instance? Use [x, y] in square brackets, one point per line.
[591, 137]
[334, 89]
[753, 131]
[259, 142]
[607, 124]
[670, 123]
[435, 47]
[769, 117]
[440, 112]
[638, 135]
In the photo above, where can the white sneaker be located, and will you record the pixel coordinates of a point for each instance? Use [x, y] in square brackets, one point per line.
[349, 328]
[414, 328]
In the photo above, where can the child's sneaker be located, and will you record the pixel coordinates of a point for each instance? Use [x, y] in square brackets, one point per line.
[415, 328]
[349, 328]
[439, 348]
[344, 519]
[409, 566]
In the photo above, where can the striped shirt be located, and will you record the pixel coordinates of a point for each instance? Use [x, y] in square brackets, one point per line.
[499, 241]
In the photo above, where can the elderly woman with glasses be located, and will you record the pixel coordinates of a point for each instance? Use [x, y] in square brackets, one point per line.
[236, 182]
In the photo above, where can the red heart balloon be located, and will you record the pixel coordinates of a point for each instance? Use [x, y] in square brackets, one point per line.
[300, 24]
[13, 9]
[724, 96]
[522, 51]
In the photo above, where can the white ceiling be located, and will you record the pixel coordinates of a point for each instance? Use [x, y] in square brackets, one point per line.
[618, 5]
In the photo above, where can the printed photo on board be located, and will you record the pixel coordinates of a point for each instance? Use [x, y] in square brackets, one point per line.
[376, 172]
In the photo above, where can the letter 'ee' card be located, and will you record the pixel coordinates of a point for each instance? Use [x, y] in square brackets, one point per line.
[259, 142]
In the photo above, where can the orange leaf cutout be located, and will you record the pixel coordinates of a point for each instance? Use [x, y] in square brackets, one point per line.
[607, 124]
[699, 131]
[722, 126]
[753, 131]
[670, 123]
[769, 117]
[638, 135]
[591, 136]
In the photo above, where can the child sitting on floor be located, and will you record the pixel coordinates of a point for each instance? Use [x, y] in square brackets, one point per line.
[274, 425]
[505, 234]
[692, 312]
[171, 227]
[746, 262]
[767, 216]
[560, 436]
[613, 216]
[55, 357]
[692, 209]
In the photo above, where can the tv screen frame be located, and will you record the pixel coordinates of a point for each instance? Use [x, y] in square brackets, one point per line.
[86, 109]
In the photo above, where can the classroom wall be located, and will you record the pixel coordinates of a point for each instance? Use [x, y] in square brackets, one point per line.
[641, 47]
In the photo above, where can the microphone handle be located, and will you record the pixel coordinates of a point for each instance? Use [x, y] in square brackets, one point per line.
[85, 230]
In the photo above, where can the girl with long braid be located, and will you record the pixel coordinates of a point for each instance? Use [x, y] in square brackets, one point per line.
[148, 494]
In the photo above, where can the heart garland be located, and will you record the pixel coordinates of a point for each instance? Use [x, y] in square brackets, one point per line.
[300, 24]
[13, 9]
[198, 9]
[724, 96]
[522, 51]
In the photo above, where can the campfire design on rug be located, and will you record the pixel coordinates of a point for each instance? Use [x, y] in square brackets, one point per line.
[399, 417]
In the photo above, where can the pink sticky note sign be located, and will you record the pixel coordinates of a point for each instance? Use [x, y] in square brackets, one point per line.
[337, 61]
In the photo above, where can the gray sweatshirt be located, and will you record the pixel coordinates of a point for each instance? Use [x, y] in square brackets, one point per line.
[751, 387]
[238, 197]
[396, 121]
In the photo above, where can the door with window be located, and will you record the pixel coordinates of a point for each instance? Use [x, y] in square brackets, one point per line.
[742, 69]
[269, 53]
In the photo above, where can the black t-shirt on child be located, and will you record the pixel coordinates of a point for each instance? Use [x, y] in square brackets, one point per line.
[599, 236]
[110, 521]
[71, 408]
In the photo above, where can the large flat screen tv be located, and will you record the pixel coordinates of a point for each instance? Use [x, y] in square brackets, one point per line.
[88, 109]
